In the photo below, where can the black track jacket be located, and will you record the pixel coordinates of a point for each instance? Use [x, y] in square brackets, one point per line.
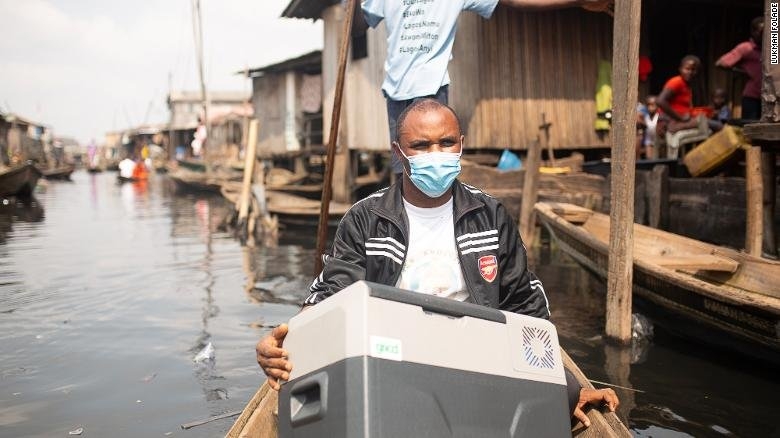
[372, 238]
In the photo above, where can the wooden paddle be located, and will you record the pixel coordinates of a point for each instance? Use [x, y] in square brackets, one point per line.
[327, 187]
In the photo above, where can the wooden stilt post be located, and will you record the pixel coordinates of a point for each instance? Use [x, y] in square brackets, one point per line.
[246, 187]
[770, 187]
[530, 192]
[625, 59]
[327, 184]
[753, 184]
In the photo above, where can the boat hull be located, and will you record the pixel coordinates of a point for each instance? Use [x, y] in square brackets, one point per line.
[61, 173]
[19, 181]
[746, 322]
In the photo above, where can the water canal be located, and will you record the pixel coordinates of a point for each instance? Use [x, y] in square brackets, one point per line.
[108, 292]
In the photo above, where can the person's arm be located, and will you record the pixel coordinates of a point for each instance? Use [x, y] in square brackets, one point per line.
[520, 290]
[595, 397]
[373, 12]
[590, 5]
[663, 102]
[579, 397]
[272, 358]
[732, 58]
[344, 266]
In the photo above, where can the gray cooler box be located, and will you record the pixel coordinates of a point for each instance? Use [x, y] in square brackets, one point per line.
[376, 361]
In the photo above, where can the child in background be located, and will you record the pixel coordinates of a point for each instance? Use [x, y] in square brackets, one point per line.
[676, 98]
[649, 119]
[721, 113]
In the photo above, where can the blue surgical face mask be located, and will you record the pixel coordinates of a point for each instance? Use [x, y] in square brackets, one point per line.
[433, 172]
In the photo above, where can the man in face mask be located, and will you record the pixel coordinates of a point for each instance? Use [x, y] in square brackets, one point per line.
[431, 234]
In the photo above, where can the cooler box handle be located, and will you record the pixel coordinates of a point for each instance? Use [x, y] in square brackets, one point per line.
[309, 399]
[435, 304]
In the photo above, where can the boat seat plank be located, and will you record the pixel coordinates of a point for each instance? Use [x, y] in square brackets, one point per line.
[570, 212]
[702, 262]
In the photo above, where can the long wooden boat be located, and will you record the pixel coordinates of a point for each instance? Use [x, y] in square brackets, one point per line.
[717, 295]
[578, 188]
[19, 180]
[297, 210]
[259, 417]
[62, 172]
[192, 181]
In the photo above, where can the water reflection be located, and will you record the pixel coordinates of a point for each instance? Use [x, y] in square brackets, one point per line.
[14, 209]
[114, 293]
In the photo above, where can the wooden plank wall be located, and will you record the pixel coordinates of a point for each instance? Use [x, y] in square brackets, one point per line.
[364, 114]
[269, 103]
[507, 71]
[517, 65]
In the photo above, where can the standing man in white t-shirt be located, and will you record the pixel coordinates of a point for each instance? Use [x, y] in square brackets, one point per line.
[420, 35]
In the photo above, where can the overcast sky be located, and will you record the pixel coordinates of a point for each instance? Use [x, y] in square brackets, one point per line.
[85, 67]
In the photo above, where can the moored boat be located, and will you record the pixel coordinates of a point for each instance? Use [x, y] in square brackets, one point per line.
[61, 172]
[189, 181]
[574, 187]
[19, 180]
[714, 294]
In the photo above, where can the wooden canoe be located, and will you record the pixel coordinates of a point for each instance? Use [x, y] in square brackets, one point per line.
[62, 172]
[19, 180]
[259, 417]
[193, 181]
[577, 188]
[717, 295]
[291, 209]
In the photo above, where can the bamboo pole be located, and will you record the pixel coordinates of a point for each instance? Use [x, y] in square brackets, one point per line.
[327, 188]
[754, 186]
[197, 27]
[246, 186]
[625, 58]
[530, 192]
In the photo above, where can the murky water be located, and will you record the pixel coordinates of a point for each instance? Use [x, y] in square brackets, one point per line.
[107, 293]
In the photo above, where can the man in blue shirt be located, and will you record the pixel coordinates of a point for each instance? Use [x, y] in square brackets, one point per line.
[420, 35]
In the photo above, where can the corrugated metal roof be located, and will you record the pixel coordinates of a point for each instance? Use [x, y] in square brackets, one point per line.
[309, 63]
[307, 8]
[11, 118]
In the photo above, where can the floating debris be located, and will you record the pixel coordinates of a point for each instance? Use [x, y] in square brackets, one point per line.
[257, 324]
[149, 378]
[207, 354]
[78, 431]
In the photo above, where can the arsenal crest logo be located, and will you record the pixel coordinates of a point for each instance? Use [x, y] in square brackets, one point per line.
[488, 267]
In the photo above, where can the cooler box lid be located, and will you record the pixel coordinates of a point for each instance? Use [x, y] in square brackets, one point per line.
[374, 320]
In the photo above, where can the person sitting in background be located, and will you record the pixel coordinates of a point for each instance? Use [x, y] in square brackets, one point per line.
[126, 168]
[405, 236]
[721, 112]
[747, 56]
[140, 173]
[675, 101]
